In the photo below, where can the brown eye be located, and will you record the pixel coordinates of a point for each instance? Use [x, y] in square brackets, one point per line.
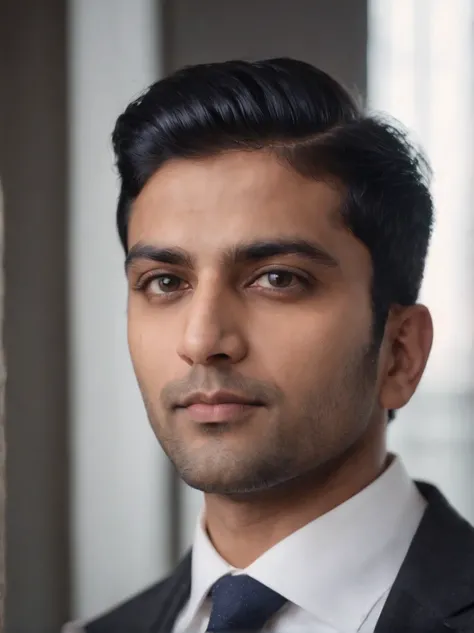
[164, 284]
[277, 279]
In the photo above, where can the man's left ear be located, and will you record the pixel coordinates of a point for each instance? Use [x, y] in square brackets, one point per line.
[405, 351]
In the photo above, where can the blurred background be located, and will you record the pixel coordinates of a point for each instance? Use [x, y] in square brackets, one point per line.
[94, 510]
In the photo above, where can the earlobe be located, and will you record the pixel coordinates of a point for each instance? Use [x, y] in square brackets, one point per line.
[409, 336]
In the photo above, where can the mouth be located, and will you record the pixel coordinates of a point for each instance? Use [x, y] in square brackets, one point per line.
[217, 407]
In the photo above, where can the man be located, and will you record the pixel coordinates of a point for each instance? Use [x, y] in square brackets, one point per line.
[275, 238]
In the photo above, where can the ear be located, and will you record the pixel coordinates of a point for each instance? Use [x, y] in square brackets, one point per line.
[405, 351]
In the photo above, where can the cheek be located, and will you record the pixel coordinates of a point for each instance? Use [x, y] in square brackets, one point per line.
[309, 349]
[150, 343]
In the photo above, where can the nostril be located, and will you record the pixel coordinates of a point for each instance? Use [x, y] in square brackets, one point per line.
[221, 357]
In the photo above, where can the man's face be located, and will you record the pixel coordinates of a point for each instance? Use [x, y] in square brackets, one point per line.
[249, 321]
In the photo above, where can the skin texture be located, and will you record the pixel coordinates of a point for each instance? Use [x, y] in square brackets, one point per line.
[289, 331]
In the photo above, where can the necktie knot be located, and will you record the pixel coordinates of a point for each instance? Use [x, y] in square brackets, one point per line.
[240, 603]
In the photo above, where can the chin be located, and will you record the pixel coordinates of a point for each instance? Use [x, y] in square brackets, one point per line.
[214, 483]
[223, 481]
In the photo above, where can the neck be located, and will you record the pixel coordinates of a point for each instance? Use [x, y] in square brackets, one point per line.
[242, 528]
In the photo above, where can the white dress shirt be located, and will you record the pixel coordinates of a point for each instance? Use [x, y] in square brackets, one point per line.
[336, 572]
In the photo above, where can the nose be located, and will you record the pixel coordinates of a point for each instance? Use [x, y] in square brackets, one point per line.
[212, 332]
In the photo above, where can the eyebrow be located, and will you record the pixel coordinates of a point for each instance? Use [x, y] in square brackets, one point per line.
[240, 253]
[161, 255]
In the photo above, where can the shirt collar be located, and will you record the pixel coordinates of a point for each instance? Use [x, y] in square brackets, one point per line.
[336, 567]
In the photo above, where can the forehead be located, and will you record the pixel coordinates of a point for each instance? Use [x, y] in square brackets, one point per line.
[212, 203]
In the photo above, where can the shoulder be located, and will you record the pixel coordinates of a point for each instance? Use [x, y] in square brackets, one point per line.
[125, 616]
[130, 615]
[439, 568]
[444, 524]
[445, 540]
[161, 601]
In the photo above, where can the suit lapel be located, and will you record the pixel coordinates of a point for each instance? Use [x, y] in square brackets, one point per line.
[404, 613]
[173, 597]
[434, 590]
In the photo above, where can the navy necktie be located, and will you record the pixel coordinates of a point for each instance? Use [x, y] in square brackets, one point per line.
[240, 603]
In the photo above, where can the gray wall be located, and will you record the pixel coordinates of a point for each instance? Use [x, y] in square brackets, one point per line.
[331, 34]
[33, 167]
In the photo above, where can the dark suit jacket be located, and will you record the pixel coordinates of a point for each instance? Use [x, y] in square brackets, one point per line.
[433, 592]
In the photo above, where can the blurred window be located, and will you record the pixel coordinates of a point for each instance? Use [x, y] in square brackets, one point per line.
[420, 65]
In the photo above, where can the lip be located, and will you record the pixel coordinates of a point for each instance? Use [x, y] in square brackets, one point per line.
[215, 398]
[219, 406]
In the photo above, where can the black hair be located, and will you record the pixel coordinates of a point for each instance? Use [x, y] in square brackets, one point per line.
[314, 124]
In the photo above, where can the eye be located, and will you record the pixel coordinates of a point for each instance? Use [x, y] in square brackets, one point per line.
[163, 284]
[279, 280]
